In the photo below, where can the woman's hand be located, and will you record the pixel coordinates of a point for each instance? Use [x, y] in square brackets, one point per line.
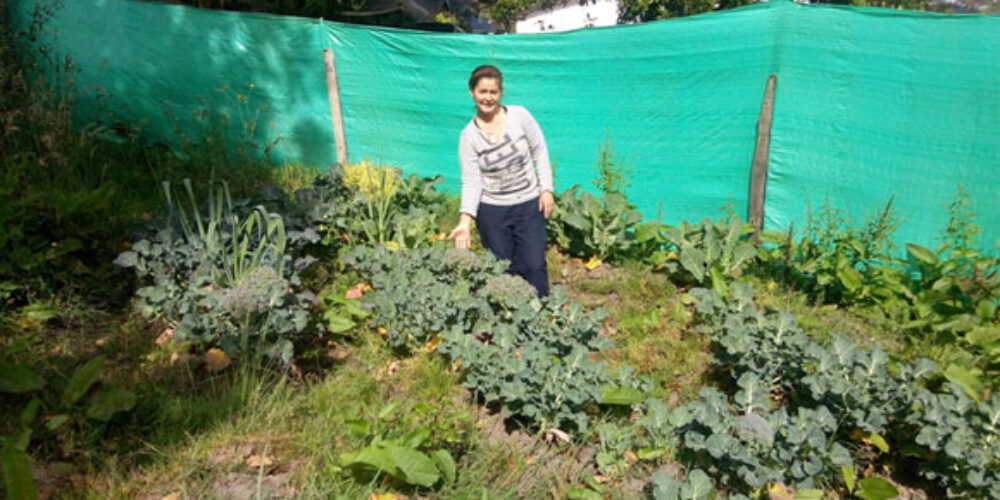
[546, 203]
[462, 234]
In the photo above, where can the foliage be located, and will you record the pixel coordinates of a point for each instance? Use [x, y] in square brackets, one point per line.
[697, 486]
[598, 227]
[369, 204]
[950, 293]
[340, 314]
[376, 187]
[61, 186]
[781, 447]
[838, 262]
[634, 11]
[537, 361]
[61, 413]
[710, 252]
[590, 227]
[505, 13]
[612, 171]
[450, 291]
[961, 439]
[531, 356]
[221, 278]
[613, 442]
[956, 289]
[816, 401]
[405, 457]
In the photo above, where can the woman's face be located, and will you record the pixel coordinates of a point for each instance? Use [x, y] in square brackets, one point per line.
[487, 95]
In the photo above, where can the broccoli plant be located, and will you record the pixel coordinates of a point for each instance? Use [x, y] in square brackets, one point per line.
[530, 356]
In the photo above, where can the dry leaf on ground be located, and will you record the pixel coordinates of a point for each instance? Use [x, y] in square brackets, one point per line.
[257, 461]
[165, 336]
[216, 359]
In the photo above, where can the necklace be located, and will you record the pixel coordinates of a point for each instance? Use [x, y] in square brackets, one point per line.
[492, 131]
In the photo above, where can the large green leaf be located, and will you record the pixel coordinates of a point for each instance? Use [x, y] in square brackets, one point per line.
[984, 337]
[415, 438]
[693, 261]
[336, 323]
[577, 221]
[719, 283]
[445, 464]
[807, 494]
[968, 379]
[17, 477]
[850, 278]
[698, 486]
[878, 441]
[922, 254]
[81, 381]
[581, 493]
[876, 488]
[743, 253]
[665, 487]
[848, 472]
[110, 401]
[375, 457]
[18, 379]
[772, 237]
[415, 467]
[613, 395]
[986, 309]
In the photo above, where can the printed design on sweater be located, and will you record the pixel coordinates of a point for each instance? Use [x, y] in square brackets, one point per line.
[505, 167]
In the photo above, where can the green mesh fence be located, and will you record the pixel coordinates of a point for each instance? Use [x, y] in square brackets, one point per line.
[870, 103]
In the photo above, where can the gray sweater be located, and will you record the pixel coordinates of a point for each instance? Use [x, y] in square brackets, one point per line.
[513, 170]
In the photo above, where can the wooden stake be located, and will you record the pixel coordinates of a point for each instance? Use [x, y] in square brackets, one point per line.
[758, 172]
[333, 92]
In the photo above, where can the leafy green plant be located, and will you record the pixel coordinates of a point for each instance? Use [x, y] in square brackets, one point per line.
[530, 356]
[447, 281]
[378, 206]
[590, 227]
[402, 456]
[829, 398]
[221, 278]
[838, 262]
[63, 202]
[712, 252]
[755, 446]
[61, 410]
[598, 227]
[613, 172]
[697, 486]
[340, 314]
[961, 439]
[957, 289]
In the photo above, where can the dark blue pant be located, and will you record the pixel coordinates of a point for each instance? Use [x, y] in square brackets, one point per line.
[517, 233]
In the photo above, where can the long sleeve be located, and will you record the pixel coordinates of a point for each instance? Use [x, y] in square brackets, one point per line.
[539, 151]
[472, 182]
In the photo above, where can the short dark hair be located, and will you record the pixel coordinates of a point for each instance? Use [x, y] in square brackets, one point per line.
[485, 71]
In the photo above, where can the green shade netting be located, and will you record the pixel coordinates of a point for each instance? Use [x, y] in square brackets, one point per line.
[870, 103]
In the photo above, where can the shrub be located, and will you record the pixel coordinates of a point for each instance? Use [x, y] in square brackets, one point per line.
[530, 356]
[222, 278]
[818, 400]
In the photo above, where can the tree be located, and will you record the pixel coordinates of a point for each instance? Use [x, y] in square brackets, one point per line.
[506, 13]
[636, 11]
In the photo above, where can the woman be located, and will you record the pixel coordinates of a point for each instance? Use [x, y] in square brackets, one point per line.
[506, 180]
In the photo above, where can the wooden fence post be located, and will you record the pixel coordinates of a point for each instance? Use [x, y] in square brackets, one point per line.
[758, 171]
[333, 92]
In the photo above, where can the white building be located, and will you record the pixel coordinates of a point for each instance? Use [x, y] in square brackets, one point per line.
[571, 15]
